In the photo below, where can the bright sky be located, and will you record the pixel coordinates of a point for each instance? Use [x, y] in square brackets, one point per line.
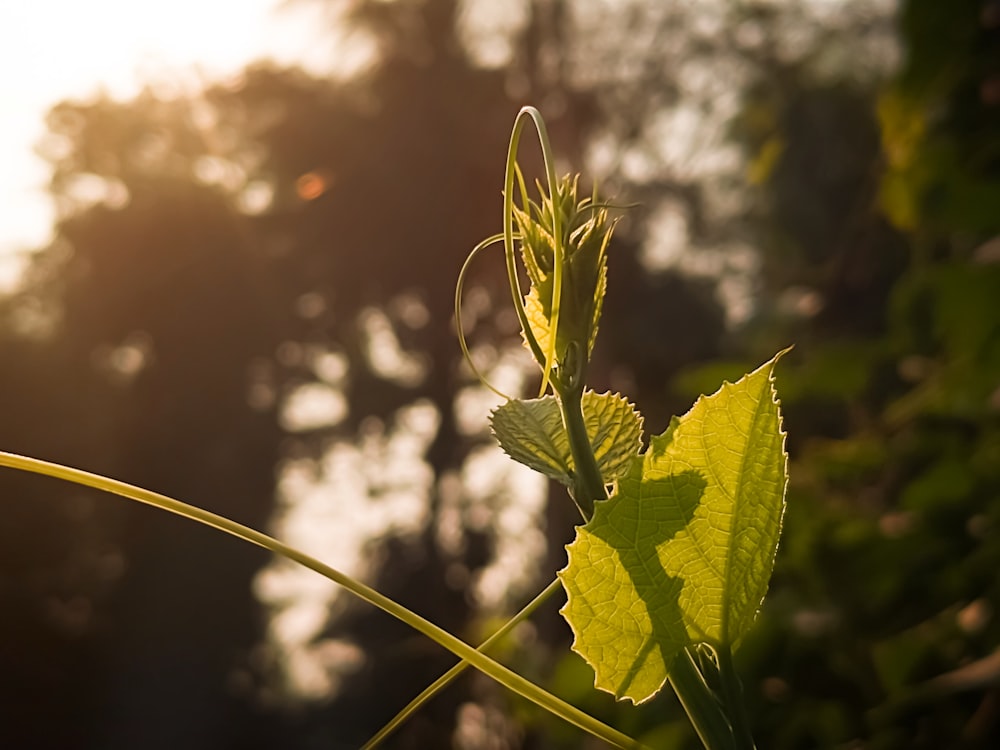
[56, 49]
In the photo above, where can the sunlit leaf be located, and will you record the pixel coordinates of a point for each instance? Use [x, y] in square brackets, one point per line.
[532, 432]
[615, 431]
[535, 310]
[683, 552]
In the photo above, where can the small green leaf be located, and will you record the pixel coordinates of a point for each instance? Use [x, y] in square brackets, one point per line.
[683, 552]
[531, 432]
[615, 431]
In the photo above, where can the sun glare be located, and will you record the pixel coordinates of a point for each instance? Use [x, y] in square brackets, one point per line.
[57, 49]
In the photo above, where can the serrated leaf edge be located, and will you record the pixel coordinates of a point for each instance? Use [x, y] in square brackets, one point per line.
[769, 366]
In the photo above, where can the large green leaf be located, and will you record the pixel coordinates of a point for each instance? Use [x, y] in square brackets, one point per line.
[683, 552]
[532, 432]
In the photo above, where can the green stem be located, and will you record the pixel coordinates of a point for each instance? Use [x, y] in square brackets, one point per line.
[732, 692]
[698, 700]
[506, 677]
[588, 484]
[441, 682]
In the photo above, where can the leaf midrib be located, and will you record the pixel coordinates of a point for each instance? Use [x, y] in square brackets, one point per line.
[730, 547]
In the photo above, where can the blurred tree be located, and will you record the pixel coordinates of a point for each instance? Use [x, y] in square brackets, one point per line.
[152, 310]
[203, 242]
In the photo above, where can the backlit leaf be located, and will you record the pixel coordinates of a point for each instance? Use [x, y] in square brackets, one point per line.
[683, 552]
[531, 432]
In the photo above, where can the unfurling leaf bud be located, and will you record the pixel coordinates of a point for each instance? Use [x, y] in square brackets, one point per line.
[567, 305]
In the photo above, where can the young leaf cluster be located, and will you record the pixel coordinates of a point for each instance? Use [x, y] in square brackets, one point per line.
[572, 309]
